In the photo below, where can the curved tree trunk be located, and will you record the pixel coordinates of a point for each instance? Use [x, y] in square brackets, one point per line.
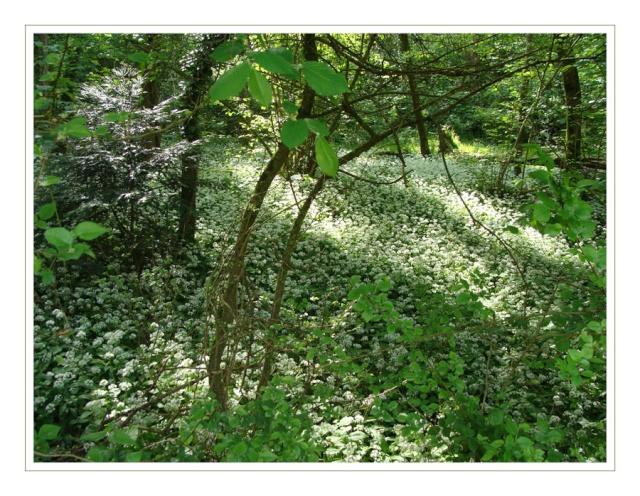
[226, 309]
[285, 265]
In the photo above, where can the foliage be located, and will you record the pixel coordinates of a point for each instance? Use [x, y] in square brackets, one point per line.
[374, 319]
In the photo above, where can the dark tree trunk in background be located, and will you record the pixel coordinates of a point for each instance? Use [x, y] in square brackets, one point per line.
[40, 54]
[151, 88]
[524, 129]
[415, 100]
[196, 90]
[573, 101]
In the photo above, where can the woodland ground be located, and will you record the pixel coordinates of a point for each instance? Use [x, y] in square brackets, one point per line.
[114, 342]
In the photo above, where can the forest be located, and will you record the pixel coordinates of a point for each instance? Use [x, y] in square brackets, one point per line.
[319, 247]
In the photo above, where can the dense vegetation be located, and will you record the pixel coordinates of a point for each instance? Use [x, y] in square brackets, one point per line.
[319, 247]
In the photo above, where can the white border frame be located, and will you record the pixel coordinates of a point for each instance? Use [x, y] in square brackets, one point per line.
[609, 465]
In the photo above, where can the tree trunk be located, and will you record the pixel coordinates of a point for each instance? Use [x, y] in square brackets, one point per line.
[226, 309]
[415, 100]
[197, 88]
[573, 102]
[285, 264]
[151, 90]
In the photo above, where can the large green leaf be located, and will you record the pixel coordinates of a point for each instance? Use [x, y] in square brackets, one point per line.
[93, 436]
[317, 126]
[275, 61]
[140, 58]
[125, 437]
[134, 456]
[59, 237]
[323, 79]
[230, 84]
[88, 230]
[46, 211]
[116, 117]
[48, 432]
[260, 88]
[50, 181]
[293, 133]
[99, 454]
[75, 128]
[290, 107]
[541, 213]
[227, 50]
[540, 175]
[76, 251]
[326, 157]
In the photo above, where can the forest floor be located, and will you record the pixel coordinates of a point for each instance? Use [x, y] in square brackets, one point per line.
[117, 342]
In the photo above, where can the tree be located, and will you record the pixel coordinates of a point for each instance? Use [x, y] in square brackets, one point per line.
[197, 86]
[573, 98]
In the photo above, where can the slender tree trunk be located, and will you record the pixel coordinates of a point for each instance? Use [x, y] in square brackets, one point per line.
[573, 102]
[151, 90]
[197, 88]
[523, 127]
[415, 100]
[285, 265]
[226, 309]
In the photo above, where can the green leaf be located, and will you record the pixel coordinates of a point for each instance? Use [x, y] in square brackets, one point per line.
[544, 158]
[52, 58]
[546, 199]
[75, 128]
[46, 211]
[541, 213]
[585, 229]
[46, 276]
[49, 76]
[99, 454]
[101, 131]
[317, 126]
[116, 117]
[59, 237]
[140, 58]
[512, 229]
[326, 157]
[37, 265]
[383, 284]
[582, 210]
[50, 181]
[125, 437]
[495, 417]
[552, 229]
[274, 61]
[260, 88]
[88, 230]
[48, 432]
[227, 50]
[41, 103]
[524, 442]
[294, 133]
[76, 251]
[323, 79]
[290, 107]
[230, 83]
[590, 253]
[540, 175]
[134, 456]
[93, 436]
[488, 455]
